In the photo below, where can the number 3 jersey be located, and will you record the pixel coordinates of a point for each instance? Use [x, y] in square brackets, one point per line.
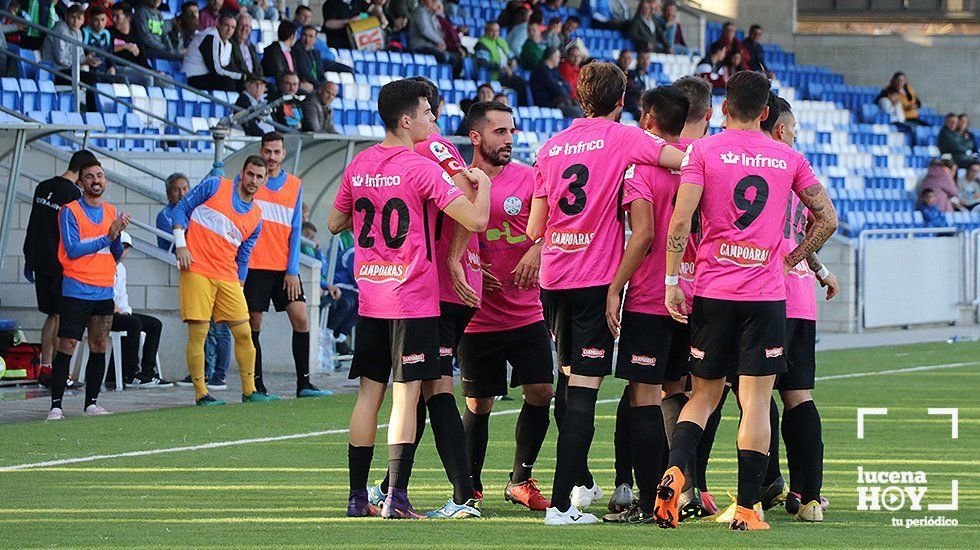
[748, 178]
[394, 195]
[580, 171]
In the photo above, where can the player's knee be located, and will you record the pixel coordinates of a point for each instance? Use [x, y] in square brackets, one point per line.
[255, 320]
[644, 395]
[435, 387]
[67, 345]
[300, 325]
[793, 398]
[673, 387]
[479, 405]
[538, 395]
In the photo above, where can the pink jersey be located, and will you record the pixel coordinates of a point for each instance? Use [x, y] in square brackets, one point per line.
[686, 271]
[502, 246]
[801, 301]
[658, 186]
[580, 171]
[447, 155]
[393, 194]
[748, 178]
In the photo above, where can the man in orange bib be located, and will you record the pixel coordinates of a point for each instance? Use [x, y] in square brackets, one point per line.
[87, 252]
[215, 228]
[273, 269]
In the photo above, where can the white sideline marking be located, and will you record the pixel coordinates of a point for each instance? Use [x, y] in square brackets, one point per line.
[219, 444]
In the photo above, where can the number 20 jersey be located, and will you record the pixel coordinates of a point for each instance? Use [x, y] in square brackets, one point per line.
[580, 170]
[748, 179]
[394, 195]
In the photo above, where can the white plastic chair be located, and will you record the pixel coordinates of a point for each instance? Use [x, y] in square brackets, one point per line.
[80, 358]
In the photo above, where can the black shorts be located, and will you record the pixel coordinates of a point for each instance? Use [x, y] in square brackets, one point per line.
[801, 359]
[453, 319]
[263, 286]
[47, 288]
[403, 349]
[76, 314]
[648, 347]
[483, 358]
[723, 332]
[577, 320]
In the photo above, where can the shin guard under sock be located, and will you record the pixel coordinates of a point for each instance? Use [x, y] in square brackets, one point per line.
[647, 437]
[477, 431]
[574, 440]
[751, 466]
[359, 465]
[447, 427]
[529, 434]
[623, 454]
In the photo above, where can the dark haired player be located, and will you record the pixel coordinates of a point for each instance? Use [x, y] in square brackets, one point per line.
[578, 182]
[390, 195]
[742, 181]
[509, 327]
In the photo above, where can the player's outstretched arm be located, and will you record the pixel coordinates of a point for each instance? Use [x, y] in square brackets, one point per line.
[671, 157]
[338, 221]
[824, 223]
[475, 215]
[641, 224]
[688, 198]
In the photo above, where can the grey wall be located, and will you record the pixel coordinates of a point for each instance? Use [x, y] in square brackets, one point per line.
[944, 70]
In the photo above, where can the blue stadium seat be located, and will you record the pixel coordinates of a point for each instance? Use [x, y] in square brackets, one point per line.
[29, 95]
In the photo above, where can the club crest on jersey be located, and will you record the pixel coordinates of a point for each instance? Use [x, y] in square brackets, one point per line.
[382, 272]
[512, 205]
[570, 241]
[413, 358]
[758, 161]
[696, 353]
[445, 352]
[772, 353]
[644, 360]
[743, 254]
[593, 353]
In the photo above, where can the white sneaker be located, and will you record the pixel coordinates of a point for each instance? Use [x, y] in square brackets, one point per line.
[95, 410]
[583, 497]
[56, 414]
[553, 516]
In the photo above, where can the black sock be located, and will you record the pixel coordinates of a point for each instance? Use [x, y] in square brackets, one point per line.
[419, 430]
[301, 357]
[624, 455]
[751, 466]
[772, 469]
[684, 443]
[59, 378]
[790, 431]
[447, 427]
[529, 434]
[647, 437]
[259, 385]
[94, 372]
[359, 464]
[574, 440]
[707, 441]
[671, 409]
[401, 456]
[477, 431]
[804, 421]
[561, 398]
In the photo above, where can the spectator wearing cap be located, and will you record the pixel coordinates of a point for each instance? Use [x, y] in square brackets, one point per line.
[317, 112]
[149, 32]
[951, 142]
[252, 95]
[645, 30]
[940, 180]
[210, 63]
[246, 56]
[139, 367]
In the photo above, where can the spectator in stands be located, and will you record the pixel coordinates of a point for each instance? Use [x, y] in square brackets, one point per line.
[964, 130]
[484, 92]
[209, 16]
[263, 9]
[62, 54]
[96, 35]
[303, 18]
[425, 35]
[252, 95]
[209, 64]
[533, 49]
[635, 83]
[182, 29]
[645, 30]
[246, 56]
[337, 14]
[889, 100]
[123, 39]
[550, 89]
[970, 186]
[932, 216]
[731, 65]
[551, 8]
[517, 33]
[606, 14]
[954, 144]
[176, 186]
[756, 58]
[309, 64]
[673, 34]
[289, 113]
[568, 30]
[139, 370]
[317, 112]
[940, 178]
[910, 102]
[501, 97]
[450, 35]
[732, 43]
[341, 293]
[398, 13]
[552, 33]
[278, 58]
[149, 32]
[492, 52]
[709, 67]
[570, 67]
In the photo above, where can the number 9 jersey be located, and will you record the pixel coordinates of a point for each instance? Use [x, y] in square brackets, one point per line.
[394, 194]
[580, 170]
[748, 179]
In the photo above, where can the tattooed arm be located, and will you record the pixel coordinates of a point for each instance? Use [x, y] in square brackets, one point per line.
[824, 224]
[688, 198]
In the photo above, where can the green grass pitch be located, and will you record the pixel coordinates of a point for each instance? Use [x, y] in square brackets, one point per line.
[293, 492]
